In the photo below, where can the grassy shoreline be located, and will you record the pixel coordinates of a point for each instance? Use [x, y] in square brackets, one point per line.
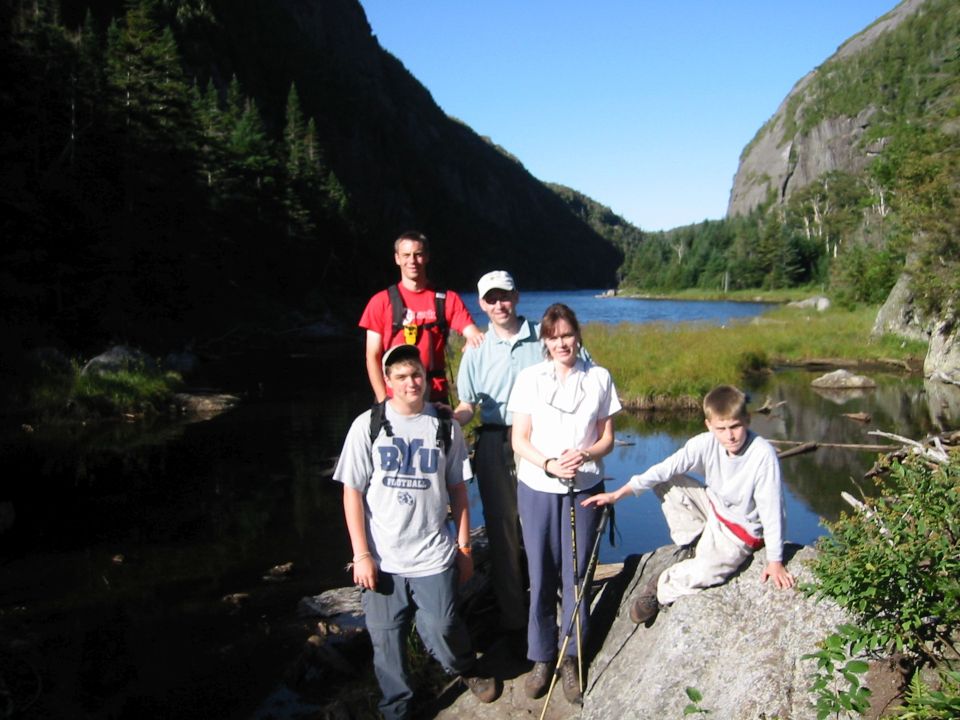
[670, 367]
[749, 295]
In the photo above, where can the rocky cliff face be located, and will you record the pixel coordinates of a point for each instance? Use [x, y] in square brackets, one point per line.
[900, 316]
[779, 160]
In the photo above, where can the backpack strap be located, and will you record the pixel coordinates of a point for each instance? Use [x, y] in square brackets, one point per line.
[397, 309]
[444, 429]
[378, 420]
[440, 310]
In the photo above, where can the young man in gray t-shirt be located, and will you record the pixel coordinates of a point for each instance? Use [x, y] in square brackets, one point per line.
[406, 557]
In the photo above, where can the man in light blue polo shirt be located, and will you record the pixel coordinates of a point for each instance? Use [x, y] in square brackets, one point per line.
[485, 379]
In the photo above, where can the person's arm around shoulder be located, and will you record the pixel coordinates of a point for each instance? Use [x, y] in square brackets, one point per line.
[473, 335]
[374, 354]
[463, 412]
[460, 319]
[364, 566]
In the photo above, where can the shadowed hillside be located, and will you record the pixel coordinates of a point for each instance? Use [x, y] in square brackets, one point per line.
[174, 170]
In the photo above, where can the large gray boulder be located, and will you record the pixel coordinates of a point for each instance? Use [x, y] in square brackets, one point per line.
[120, 358]
[899, 314]
[739, 644]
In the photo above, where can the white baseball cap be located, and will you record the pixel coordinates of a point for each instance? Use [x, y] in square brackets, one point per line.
[496, 280]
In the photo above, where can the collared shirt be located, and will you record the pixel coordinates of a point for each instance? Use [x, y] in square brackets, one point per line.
[487, 373]
[563, 415]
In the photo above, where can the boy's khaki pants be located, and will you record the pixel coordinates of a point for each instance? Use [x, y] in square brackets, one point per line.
[719, 552]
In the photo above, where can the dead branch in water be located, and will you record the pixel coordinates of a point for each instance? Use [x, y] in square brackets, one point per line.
[842, 446]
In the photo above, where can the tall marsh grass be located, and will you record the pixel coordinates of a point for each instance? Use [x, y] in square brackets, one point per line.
[677, 361]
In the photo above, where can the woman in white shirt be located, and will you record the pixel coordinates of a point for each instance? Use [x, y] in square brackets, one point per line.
[562, 426]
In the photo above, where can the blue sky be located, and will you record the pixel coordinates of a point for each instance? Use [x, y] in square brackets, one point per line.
[643, 105]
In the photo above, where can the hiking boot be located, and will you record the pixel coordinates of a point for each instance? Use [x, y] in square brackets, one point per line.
[484, 689]
[685, 552]
[570, 678]
[644, 608]
[538, 679]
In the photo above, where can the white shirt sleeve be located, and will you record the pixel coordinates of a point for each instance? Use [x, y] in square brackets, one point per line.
[689, 458]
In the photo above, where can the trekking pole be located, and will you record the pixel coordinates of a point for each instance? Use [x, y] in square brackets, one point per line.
[587, 578]
[576, 582]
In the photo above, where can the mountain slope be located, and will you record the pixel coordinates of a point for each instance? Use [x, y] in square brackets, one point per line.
[404, 162]
[832, 120]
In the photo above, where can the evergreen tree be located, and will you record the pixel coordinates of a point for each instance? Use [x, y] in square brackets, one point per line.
[294, 137]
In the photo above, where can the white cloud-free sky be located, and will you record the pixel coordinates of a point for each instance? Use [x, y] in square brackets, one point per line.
[644, 105]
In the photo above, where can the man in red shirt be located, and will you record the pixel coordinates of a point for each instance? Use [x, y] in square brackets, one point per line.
[408, 313]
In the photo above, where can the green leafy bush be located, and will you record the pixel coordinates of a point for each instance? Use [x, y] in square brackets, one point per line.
[836, 683]
[895, 565]
[924, 703]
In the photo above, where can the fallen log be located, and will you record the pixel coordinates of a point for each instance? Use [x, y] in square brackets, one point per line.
[842, 446]
[797, 450]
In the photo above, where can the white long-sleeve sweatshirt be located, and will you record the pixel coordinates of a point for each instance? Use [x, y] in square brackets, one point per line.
[745, 488]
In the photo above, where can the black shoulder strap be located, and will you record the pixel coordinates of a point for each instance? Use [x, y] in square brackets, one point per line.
[378, 419]
[398, 310]
[444, 429]
[440, 310]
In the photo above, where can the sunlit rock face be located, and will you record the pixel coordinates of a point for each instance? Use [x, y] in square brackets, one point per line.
[780, 160]
[739, 644]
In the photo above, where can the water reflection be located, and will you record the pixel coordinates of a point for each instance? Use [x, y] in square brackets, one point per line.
[943, 403]
[801, 414]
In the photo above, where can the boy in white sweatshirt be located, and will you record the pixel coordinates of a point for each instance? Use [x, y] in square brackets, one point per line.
[739, 511]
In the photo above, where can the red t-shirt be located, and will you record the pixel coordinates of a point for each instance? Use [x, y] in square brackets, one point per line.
[421, 310]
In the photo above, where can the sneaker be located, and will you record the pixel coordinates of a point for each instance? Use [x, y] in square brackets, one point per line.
[538, 679]
[484, 689]
[570, 678]
[644, 608]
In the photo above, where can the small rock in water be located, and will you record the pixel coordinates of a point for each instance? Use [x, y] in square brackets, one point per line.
[843, 379]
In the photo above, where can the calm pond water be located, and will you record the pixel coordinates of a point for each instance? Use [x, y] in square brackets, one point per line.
[128, 537]
[589, 307]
